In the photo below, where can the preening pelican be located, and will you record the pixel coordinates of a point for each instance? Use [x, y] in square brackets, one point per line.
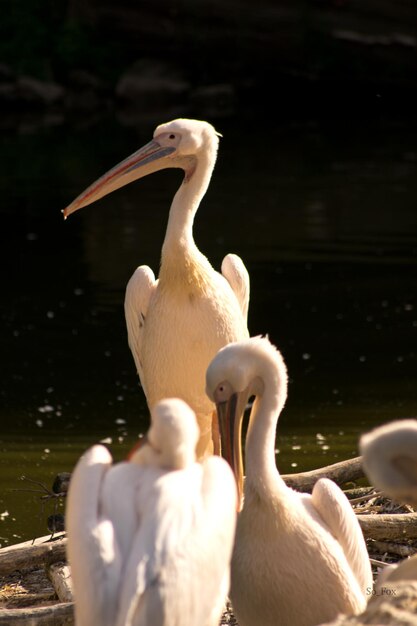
[299, 559]
[176, 324]
[390, 459]
[150, 539]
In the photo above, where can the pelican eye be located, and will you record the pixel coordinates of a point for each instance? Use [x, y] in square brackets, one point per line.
[223, 392]
[172, 136]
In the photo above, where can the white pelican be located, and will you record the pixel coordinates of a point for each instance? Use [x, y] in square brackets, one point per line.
[150, 539]
[390, 459]
[299, 559]
[176, 324]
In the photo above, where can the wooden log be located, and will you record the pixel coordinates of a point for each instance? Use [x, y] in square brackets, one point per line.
[391, 527]
[61, 614]
[340, 473]
[393, 548]
[358, 492]
[26, 588]
[60, 576]
[32, 554]
[372, 495]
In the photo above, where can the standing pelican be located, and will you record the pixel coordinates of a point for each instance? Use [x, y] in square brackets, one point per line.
[390, 459]
[150, 539]
[299, 559]
[176, 324]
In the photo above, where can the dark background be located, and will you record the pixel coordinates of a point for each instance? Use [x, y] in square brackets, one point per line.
[316, 56]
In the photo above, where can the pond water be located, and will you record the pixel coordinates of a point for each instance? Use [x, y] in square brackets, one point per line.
[324, 215]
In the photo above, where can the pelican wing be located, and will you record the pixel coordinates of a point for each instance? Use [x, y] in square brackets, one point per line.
[220, 503]
[336, 511]
[236, 274]
[118, 503]
[178, 569]
[139, 290]
[92, 550]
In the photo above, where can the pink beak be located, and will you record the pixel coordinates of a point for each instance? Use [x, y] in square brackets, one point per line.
[146, 160]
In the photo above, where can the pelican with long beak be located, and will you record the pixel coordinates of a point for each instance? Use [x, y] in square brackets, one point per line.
[176, 324]
[299, 559]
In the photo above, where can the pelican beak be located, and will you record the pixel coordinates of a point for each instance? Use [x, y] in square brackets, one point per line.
[144, 161]
[230, 417]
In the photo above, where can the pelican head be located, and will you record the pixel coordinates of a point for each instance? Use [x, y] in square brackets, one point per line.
[238, 371]
[171, 439]
[390, 459]
[176, 144]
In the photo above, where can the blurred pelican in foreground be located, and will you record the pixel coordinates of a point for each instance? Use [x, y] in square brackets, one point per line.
[150, 539]
[390, 461]
[176, 324]
[299, 559]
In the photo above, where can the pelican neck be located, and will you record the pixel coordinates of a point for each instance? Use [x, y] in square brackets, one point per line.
[261, 470]
[179, 234]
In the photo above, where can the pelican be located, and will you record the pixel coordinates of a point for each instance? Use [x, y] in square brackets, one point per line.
[299, 559]
[389, 455]
[390, 459]
[176, 324]
[150, 539]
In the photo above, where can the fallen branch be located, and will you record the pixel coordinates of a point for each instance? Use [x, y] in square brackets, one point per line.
[391, 527]
[373, 495]
[393, 548]
[32, 554]
[52, 615]
[358, 492]
[60, 576]
[340, 473]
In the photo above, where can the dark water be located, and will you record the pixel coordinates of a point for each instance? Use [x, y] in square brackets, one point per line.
[325, 218]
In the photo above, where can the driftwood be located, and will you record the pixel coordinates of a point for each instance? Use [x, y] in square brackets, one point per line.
[394, 548]
[32, 554]
[28, 556]
[389, 526]
[61, 614]
[340, 473]
[26, 589]
[60, 576]
[371, 495]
